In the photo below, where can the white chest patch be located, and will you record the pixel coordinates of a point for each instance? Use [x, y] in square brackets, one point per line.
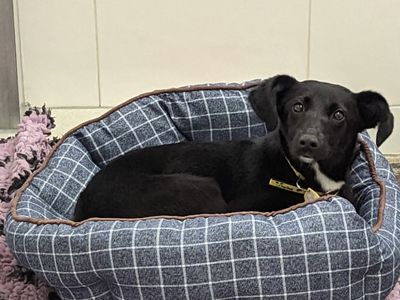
[326, 183]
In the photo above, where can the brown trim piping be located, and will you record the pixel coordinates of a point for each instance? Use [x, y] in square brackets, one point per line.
[19, 218]
[169, 217]
[379, 182]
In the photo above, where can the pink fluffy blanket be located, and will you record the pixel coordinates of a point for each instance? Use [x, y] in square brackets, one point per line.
[19, 157]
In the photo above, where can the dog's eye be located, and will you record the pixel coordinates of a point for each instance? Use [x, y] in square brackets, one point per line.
[338, 115]
[298, 107]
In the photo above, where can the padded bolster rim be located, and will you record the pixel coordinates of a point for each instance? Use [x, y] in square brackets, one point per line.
[246, 85]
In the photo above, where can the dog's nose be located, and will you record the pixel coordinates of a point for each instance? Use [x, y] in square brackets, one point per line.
[308, 141]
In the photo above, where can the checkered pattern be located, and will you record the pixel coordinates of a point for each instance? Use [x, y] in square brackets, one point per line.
[325, 250]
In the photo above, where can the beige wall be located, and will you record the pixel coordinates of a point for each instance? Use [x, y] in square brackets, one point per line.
[82, 57]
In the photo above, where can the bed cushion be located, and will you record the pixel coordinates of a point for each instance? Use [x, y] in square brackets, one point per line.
[315, 250]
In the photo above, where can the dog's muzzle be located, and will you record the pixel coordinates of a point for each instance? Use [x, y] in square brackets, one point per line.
[309, 146]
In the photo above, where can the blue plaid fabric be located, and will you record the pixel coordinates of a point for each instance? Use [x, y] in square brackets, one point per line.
[326, 250]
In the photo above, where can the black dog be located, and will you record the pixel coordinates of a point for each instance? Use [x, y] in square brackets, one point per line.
[312, 147]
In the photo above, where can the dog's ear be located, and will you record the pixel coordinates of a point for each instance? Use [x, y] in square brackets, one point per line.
[374, 111]
[264, 97]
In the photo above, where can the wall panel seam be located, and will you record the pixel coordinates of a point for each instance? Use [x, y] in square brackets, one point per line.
[96, 32]
[308, 58]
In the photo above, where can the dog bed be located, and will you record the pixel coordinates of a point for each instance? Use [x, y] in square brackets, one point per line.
[323, 249]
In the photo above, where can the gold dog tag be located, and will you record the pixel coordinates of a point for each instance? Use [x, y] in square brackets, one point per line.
[310, 195]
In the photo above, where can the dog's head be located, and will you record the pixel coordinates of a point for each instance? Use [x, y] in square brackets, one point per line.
[319, 121]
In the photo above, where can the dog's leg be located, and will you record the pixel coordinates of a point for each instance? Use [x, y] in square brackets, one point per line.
[151, 195]
[182, 194]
